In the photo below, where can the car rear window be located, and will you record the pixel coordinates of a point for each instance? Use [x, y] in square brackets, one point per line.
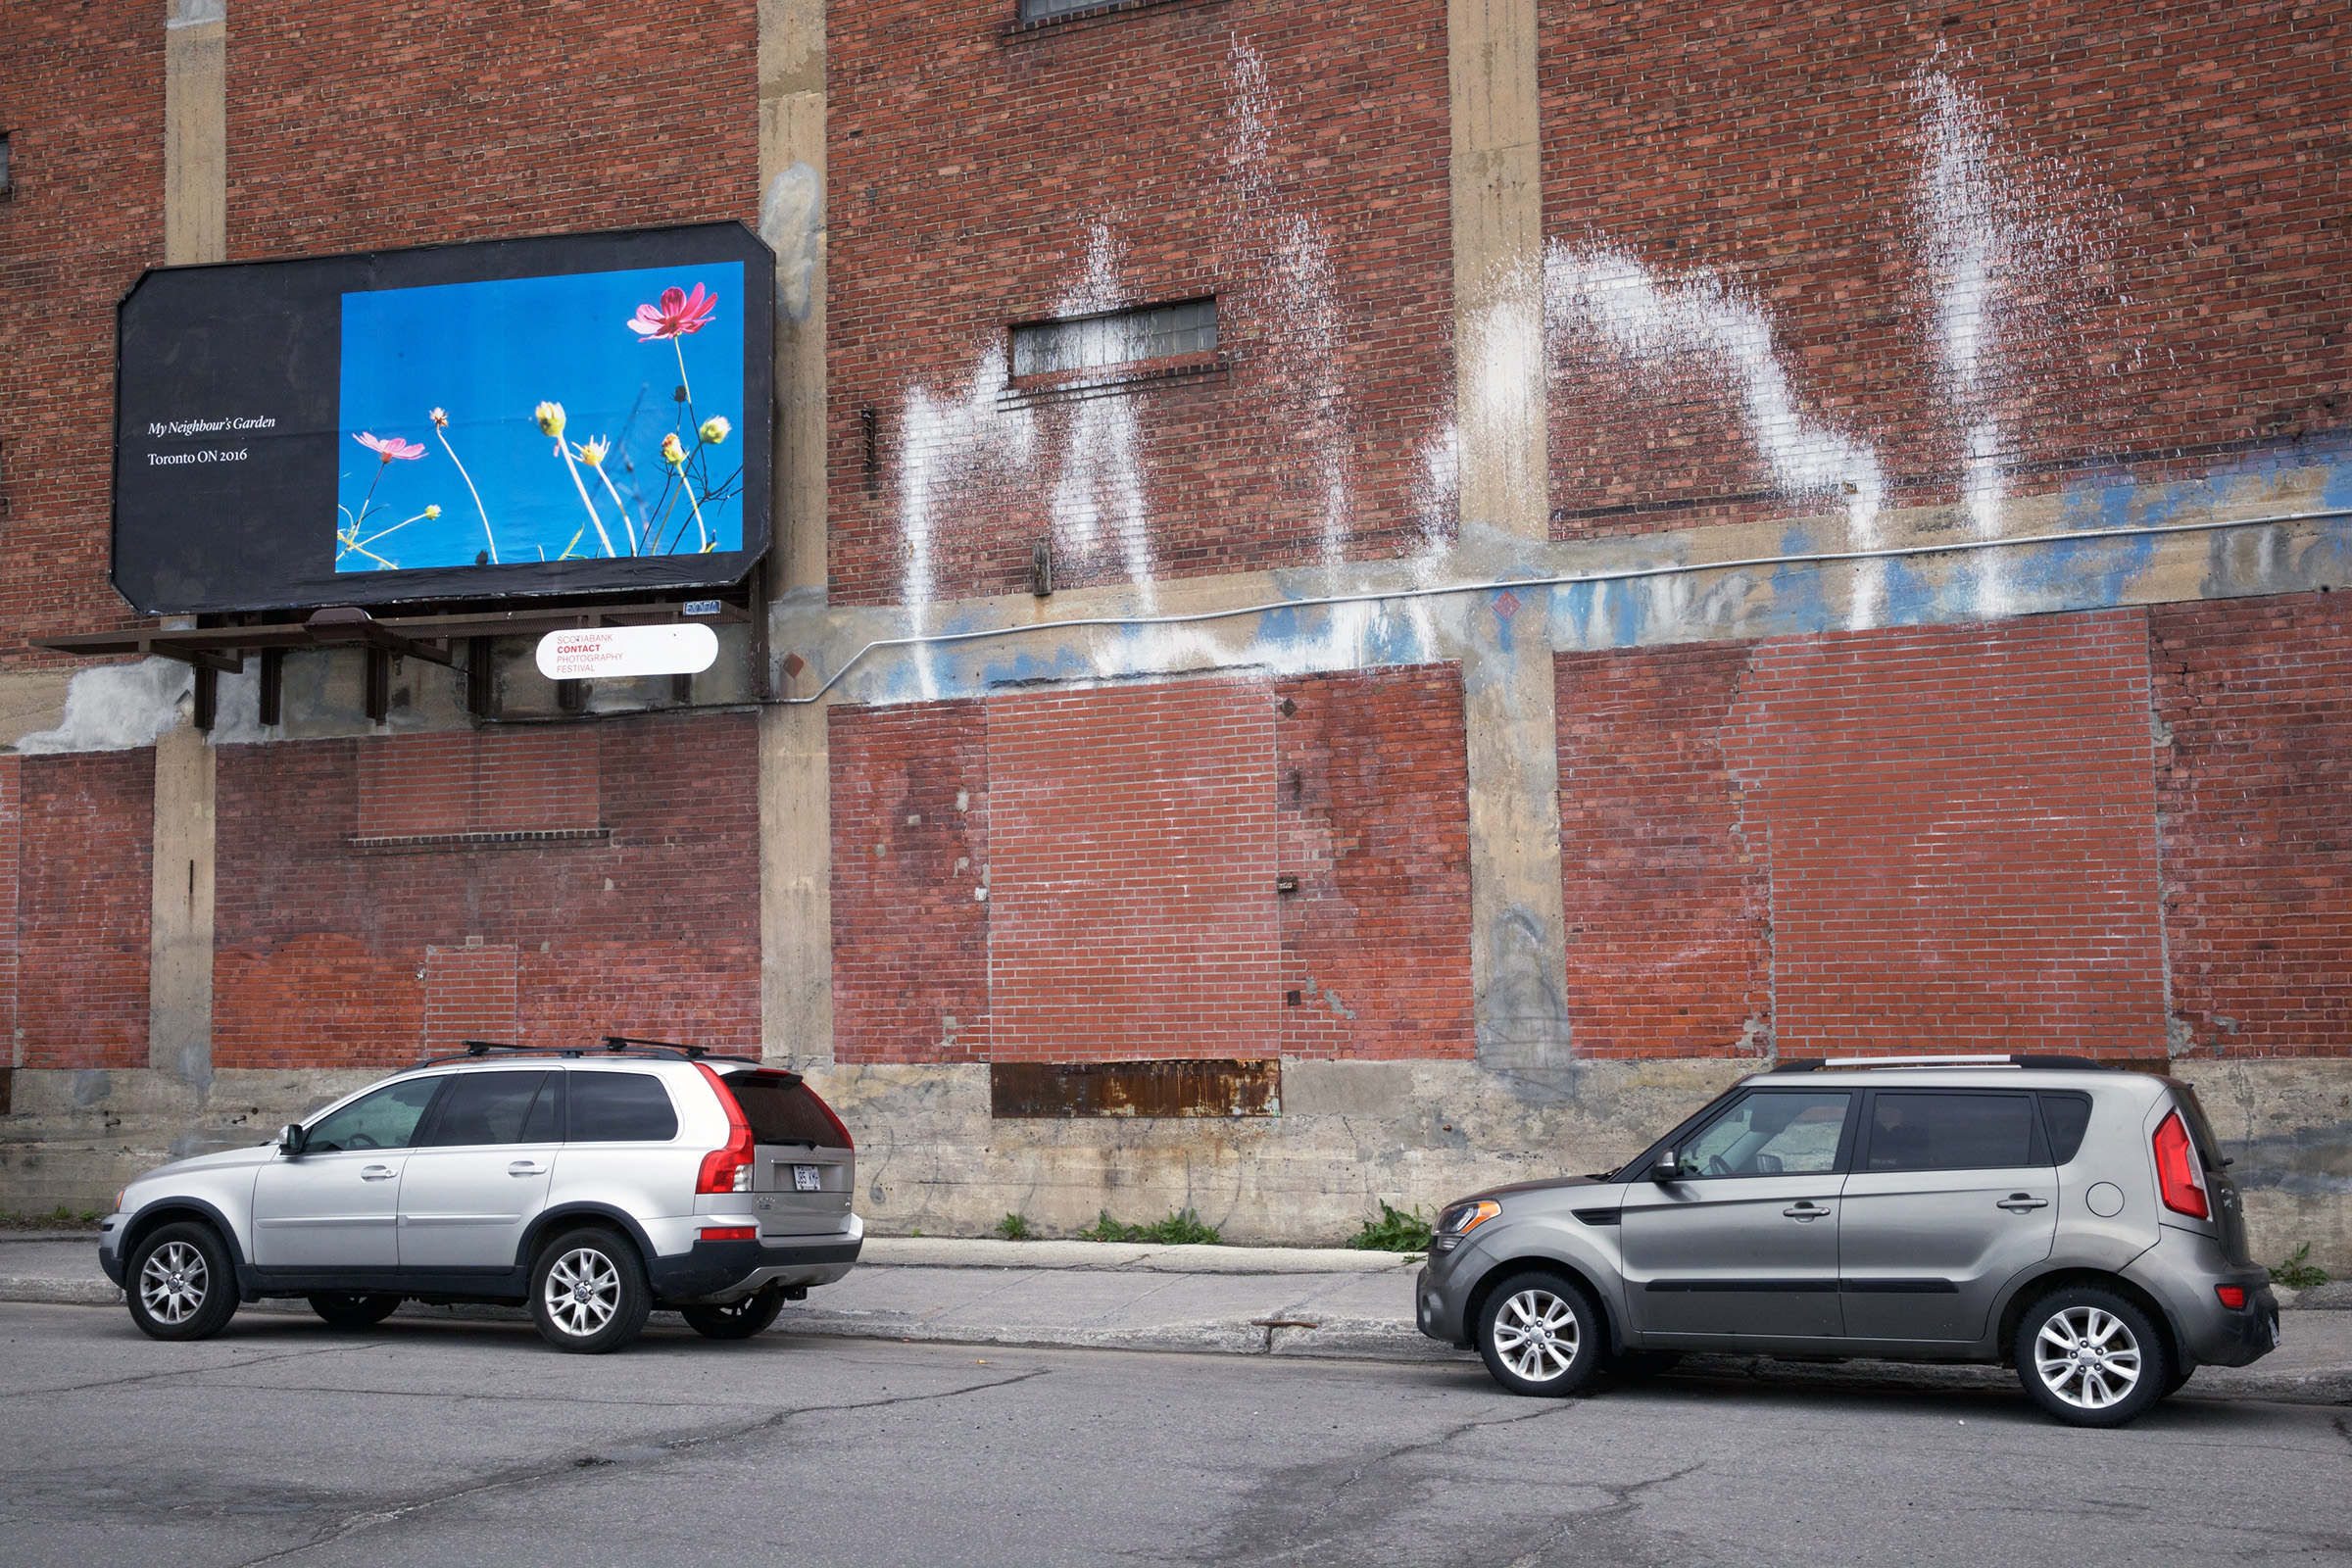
[2065, 1119]
[1951, 1132]
[618, 1107]
[782, 1112]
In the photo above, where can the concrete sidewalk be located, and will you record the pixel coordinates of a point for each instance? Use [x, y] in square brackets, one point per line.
[1235, 1300]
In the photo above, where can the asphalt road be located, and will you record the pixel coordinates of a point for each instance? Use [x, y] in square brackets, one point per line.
[445, 1443]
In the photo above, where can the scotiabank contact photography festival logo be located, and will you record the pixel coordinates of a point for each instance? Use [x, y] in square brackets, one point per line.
[585, 415]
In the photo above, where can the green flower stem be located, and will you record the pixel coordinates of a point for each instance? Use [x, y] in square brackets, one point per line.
[578, 485]
[443, 437]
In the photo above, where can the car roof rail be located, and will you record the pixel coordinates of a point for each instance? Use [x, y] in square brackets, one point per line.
[614, 1045]
[1797, 1064]
[2031, 1061]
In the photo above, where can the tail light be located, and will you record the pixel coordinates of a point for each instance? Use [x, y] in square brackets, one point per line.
[2232, 1296]
[727, 1170]
[2178, 1181]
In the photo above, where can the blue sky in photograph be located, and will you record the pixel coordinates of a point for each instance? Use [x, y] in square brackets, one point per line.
[488, 354]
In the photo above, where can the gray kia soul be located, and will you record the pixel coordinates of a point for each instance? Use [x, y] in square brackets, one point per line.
[2043, 1211]
[591, 1184]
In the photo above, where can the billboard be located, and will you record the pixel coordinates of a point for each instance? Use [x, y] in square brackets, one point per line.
[578, 414]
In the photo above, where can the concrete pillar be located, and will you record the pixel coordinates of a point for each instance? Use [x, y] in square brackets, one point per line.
[195, 133]
[179, 967]
[796, 839]
[796, 886]
[179, 974]
[1518, 951]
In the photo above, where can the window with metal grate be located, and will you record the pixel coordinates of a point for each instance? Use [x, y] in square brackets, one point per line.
[1114, 338]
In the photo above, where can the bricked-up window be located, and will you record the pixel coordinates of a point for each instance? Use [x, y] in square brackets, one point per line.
[1114, 338]
[5, 187]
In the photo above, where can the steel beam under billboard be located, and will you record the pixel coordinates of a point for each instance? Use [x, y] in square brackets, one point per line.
[576, 414]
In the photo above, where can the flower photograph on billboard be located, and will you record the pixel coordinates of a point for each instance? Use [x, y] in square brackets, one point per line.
[579, 416]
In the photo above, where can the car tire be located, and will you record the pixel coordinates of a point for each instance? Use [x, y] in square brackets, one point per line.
[1540, 1335]
[343, 1311]
[736, 1320]
[588, 1291]
[2091, 1357]
[180, 1284]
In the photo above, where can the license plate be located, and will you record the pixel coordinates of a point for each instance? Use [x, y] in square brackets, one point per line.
[807, 1179]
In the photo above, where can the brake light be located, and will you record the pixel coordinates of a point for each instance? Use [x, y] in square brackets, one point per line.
[2233, 1297]
[2178, 1181]
[727, 1170]
[730, 1233]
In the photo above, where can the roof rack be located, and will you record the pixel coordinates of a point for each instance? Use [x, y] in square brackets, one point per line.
[614, 1045]
[2028, 1060]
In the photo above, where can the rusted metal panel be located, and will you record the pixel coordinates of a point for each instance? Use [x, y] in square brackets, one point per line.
[1210, 1088]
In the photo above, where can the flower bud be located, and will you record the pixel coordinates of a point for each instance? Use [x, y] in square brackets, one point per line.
[551, 419]
[671, 451]
[433, 510]
[714, 429]
[440, 418]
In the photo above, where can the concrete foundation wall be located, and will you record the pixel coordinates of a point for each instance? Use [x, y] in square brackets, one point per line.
[1351, 1135]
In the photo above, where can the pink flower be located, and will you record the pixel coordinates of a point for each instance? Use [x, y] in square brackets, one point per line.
[389, 447]
[676, 316]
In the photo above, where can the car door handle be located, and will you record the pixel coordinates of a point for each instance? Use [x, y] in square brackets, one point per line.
[2022, 1202]
[526, 1167]
[1805, 1208]
[376, 1173]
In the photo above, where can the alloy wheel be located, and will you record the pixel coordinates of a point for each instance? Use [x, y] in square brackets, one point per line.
[582, 1291]
[174, 1284]
[1535, 1335]
[2087, 1358]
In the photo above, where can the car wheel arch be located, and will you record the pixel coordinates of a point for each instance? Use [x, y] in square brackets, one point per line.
[573, 1217]
[1568, 1272]
[174, 1211]
[2025, 1296]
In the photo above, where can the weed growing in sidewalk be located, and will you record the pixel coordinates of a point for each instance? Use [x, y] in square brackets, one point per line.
[1015, 1228]
[62, 1218]
[1184, 1228]
[2298, 1272]
[1393, 1231]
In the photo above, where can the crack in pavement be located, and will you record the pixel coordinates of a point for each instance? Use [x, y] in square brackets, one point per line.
[1356, 1471]
[184, 1372]
[353, 1522]
[1625, 1497]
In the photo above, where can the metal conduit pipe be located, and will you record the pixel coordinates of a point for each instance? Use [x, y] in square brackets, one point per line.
[1569, 580]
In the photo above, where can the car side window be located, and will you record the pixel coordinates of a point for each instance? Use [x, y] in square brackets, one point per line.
[618, 1107]
[2065, 1119]
[385, 1119]
[1949, 1131]
[494, 1107]
[1771, 1133]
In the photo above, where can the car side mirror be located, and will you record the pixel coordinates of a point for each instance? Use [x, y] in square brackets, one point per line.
[1667, 1168]
[290, 1138]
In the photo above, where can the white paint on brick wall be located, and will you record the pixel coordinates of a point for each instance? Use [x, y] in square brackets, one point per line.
[792, 219]
[116, 708]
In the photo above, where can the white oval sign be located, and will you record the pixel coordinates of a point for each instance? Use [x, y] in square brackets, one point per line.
[614, 651]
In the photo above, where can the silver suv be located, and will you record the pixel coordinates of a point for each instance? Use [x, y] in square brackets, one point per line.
[593, 1184]
[2047, 1212]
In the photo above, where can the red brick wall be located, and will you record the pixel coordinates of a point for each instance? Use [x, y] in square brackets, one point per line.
[352, 126]
[1372, 787]
[1132, 860]
[11, 835]
[1963, 836]
[478, 781]
[1131, 840]
[469, 995]
[84, 889]
[322, 947]
[2171, 292]
[2255, 797]
[1666, 890]
[910, 789]
[968, 171]
[83, 87]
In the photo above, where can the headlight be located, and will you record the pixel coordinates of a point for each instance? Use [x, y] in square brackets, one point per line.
[1460, 1220]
